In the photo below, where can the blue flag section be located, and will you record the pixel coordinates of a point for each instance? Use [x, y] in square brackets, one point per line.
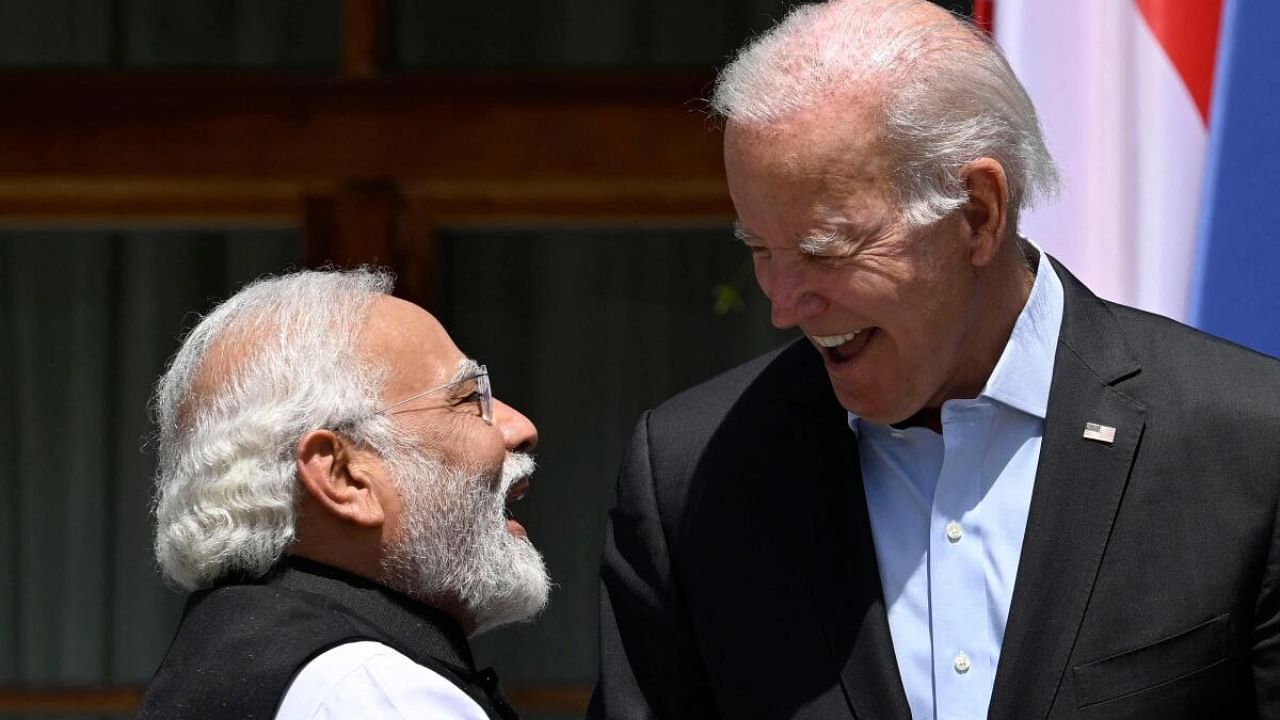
[1237, 285]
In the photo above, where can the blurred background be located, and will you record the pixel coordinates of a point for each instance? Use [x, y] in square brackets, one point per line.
[542, 175]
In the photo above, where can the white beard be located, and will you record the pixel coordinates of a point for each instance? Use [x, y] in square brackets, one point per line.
[454, 545]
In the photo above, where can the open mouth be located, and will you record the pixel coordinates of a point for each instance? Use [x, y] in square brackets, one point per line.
[517, 492]
[840, 349]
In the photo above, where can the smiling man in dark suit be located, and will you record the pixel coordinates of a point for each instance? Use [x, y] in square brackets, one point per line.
[974, 489]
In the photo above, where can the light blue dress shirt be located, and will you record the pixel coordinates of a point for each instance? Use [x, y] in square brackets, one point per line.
[948, 513]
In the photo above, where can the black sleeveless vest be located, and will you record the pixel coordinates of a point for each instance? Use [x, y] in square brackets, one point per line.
[241, 643]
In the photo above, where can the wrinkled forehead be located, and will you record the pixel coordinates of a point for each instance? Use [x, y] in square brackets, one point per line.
[810, 177]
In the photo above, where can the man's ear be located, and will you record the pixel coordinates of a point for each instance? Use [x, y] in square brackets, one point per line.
[986, 212]
[339, 477]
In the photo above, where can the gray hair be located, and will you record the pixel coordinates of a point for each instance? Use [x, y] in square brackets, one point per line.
[276, 360]
[945, 93]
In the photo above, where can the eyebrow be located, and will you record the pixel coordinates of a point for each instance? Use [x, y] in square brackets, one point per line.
[467, 368]
[844, 232]
[821, 242]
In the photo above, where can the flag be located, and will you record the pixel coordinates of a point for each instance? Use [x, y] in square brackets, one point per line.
[1237, 289]
[1123, 89]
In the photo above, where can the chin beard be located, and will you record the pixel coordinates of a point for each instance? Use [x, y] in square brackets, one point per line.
[454, 547]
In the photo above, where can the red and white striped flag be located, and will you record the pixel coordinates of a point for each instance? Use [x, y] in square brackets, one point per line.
[1123, 88]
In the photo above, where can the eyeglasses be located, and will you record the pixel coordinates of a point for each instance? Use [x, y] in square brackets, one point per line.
[483, 394]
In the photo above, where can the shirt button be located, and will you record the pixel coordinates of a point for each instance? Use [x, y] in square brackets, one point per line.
[961, 664]
[954, 532]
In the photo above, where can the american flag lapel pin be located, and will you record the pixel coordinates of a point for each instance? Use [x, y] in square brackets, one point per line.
[1101, 433]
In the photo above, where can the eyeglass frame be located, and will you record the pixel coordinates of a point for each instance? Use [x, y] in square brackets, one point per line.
[483, 386]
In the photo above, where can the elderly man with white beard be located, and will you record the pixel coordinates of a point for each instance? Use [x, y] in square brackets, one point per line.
[332, 488]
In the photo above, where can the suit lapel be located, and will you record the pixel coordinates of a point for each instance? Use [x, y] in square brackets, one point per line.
[1078, 487]
[843, 576]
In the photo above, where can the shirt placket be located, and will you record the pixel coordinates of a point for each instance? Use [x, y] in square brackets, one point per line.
[963, 668]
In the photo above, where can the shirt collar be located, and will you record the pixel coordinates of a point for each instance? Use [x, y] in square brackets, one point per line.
[1024, 372]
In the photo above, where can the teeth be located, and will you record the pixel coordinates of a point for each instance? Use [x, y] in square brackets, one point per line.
[830, 341]
[518, 490]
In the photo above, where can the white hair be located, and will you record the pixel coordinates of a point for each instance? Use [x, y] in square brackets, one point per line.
[276, 360]
[946, 95]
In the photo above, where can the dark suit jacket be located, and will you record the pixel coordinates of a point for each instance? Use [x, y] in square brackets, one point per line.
[740, 581]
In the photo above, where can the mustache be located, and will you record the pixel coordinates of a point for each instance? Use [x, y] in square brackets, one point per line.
[516, 466]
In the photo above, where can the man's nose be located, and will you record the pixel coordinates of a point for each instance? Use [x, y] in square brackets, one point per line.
[791, 298]
[518, 431]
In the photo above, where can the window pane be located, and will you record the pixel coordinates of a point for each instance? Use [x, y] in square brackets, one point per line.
[231, 34]
[170, 34]
[89, 319]
[575, 33]
[55, 33]
[581, 33]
